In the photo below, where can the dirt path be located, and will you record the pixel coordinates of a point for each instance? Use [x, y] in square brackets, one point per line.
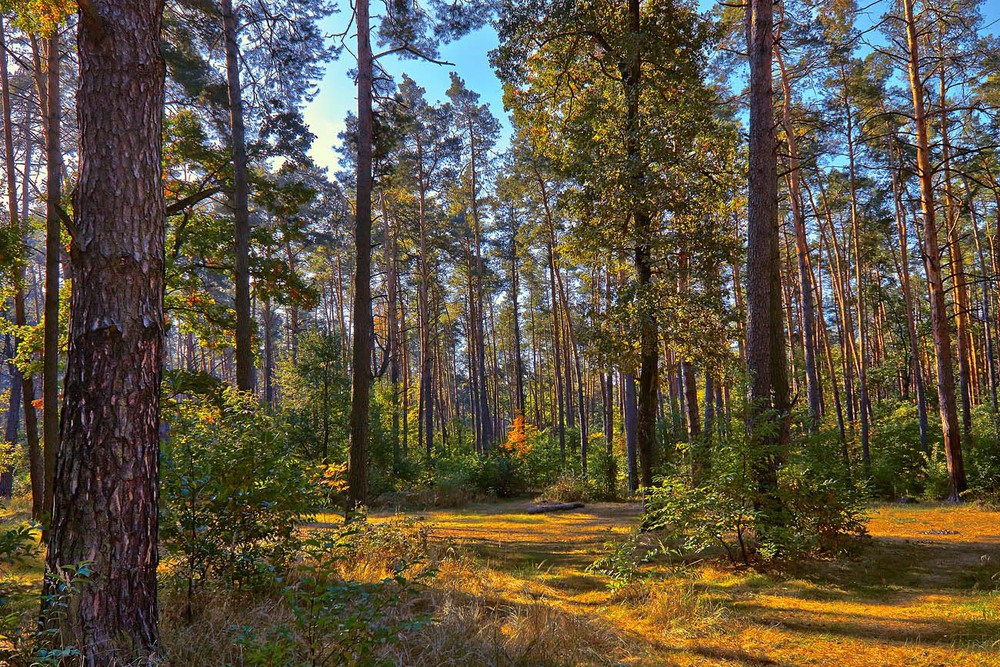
[923, 593]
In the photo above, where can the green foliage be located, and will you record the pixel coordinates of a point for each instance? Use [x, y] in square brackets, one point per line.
[18, 544]
[233, 494]
[42, 644]
[696, 518]
[820, 509]
[498, 474]
[315, 393]
[623, 562]
[336, 620]
[899, 464]
[983, 464]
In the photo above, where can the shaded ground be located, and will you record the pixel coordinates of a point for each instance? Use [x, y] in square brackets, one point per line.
[924, 592]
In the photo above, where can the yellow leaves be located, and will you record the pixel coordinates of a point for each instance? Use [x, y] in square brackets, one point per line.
[332, 478]
[40, 17]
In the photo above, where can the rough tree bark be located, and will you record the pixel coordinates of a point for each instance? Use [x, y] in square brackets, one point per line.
[361, 374]
[765, 348]
[106, 491]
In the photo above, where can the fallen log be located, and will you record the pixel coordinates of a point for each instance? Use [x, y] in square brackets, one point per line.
[540, 509]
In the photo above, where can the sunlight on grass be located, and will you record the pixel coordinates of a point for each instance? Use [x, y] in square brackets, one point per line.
[514, 589]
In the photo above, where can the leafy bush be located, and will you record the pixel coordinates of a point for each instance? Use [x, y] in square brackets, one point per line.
[498, 474]
[623, 561]
[821, 510]
[337, 620]
[233, 496]
[899, 464]
[696, 518]
[18, 544]
[570, 488]
[983, 463]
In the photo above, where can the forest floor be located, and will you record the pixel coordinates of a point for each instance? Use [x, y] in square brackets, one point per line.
[513, 589]
[924, 591]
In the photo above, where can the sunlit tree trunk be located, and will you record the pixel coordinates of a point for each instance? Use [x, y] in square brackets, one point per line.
[766, 360]
[106, 491]
[932, 263]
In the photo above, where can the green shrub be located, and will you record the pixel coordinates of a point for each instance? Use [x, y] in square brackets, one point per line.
[232, 494]
[899, 463]
[498, 474]
[821, 510]
[570, 488]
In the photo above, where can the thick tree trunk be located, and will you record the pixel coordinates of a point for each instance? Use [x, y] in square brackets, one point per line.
[766, 358]
[361, 375]
[245, 379]
[932, 262]
[106, 490]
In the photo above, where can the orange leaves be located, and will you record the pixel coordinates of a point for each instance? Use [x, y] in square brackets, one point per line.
[41, 16]
[520, 437]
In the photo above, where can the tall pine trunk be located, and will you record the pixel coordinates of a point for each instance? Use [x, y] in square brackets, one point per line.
[361, 375]
[766, 359]
[932, 262]
[245, 379]
[106, 478]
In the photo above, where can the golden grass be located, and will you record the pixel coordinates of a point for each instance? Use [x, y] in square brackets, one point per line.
[919, 594]
[514, 589]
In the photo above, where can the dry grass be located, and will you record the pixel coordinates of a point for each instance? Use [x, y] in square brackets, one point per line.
[512, 589]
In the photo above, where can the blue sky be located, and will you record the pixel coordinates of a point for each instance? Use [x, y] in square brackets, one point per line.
[337, 94]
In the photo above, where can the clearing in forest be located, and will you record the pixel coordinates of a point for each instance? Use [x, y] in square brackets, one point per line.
[922, 592]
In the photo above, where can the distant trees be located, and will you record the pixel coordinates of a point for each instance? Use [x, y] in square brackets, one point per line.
[623, 82]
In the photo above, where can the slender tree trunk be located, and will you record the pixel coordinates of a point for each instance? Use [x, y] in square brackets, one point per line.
[515, 286]
[53, 250]
[642, 233]
[985, 305]
[814, 388]
[909, 311]
[631, 433]
[956, 258]
[245, 379]
[358, 421]
[36, 467]
[13, 420]
[932, 262]
[106, 482]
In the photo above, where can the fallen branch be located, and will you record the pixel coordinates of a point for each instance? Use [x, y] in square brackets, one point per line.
[539, 509]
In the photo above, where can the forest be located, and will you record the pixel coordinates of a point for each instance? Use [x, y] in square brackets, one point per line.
[507, 333]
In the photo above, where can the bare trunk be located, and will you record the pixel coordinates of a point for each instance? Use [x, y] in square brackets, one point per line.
[106, 481]
[766, 359]
[245, 379]
[932, 262]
